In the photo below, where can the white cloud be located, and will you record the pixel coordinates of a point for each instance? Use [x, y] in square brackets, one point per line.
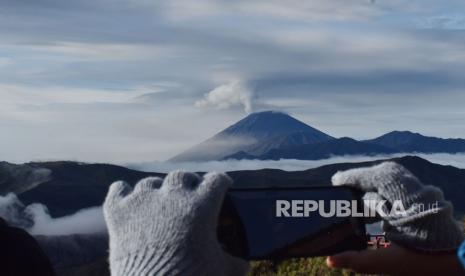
[37, 221]
[310, 11]
[78, 51]
[313, 10]
[456, 160]
[448, 22]
[16, 97]
[85, 221]
[28, 95]
[234, 93]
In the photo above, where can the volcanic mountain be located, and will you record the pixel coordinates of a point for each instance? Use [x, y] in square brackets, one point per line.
[272, 135]
[255, 135]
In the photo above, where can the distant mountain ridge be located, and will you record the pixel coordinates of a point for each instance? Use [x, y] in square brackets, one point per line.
[322, 150]
[406, 141]
[272, 135]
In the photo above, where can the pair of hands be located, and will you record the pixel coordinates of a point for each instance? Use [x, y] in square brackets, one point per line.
[168, 226]
[433, 235]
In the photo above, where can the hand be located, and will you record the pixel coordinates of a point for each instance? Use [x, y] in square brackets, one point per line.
[396, 260]
[427, 223]
[168, 227]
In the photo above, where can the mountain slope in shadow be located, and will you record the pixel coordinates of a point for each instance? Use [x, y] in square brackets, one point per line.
[406, 141]
[317, 151]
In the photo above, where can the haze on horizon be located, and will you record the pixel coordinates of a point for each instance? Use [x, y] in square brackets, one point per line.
[119, 81]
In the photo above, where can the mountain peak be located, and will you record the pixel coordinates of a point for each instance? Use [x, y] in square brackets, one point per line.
[407, 141]
[396, 139]
[268, 112]
[403, 133]
[397, 136]
[266, 124]
[255, 134]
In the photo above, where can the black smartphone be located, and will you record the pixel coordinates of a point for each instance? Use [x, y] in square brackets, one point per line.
[281, 223]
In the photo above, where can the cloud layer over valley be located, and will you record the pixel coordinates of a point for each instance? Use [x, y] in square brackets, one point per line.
[456, 160]
[36, 220]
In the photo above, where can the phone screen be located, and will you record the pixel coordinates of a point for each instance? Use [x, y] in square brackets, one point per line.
[283, 223]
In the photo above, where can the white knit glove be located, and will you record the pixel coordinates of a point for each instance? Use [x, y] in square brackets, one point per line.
[427, 223]
[168, 227]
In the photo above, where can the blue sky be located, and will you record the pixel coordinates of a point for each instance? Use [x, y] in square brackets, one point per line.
[133, 81]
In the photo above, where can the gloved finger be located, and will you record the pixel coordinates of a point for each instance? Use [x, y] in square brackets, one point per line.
[181, 179]
[117, 191]
[214, 187]
[372, 179]
[361, 178]
[148, 184]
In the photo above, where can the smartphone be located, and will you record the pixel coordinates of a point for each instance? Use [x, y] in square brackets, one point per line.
[281, 223]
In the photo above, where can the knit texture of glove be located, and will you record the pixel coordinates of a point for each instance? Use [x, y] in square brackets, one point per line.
[427, 223]
[168, 227]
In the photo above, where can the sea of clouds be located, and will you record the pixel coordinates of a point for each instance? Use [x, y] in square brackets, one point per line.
[456, 160]
[36, 219]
